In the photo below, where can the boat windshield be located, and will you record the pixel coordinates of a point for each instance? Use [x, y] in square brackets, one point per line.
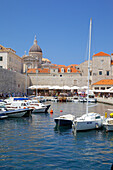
[97, 117]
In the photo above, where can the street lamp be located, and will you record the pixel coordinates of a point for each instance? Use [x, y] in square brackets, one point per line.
[36, 81]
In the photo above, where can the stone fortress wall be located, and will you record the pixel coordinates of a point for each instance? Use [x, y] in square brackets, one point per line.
[11, 81]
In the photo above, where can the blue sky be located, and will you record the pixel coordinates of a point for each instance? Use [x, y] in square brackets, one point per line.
[61, 27]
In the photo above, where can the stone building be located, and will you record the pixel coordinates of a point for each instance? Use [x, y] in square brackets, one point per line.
[101, 67]
[56, 75]
[10, 60]
[36, 70]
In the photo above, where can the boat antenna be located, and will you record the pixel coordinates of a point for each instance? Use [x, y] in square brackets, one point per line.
[89, 63]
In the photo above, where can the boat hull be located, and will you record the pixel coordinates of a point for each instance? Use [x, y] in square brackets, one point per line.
[19, 113]
[40, 110]
[62, 122]
[108, 128]
[87, 125]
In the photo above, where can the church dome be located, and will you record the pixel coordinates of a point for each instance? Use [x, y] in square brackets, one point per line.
[35, 47]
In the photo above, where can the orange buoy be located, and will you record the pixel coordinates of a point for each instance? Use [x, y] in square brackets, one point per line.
[61, 111]
[51, 111]
[24, 107]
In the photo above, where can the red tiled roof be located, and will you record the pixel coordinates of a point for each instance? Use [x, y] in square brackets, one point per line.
[104, 82]
[73, 65]
[33, 70]
[72, 70]
[101, 54]
[61, 66]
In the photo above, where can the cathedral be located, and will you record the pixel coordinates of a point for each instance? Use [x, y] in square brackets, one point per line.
[34, 59]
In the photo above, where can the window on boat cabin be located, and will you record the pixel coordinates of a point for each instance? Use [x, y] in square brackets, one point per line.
[60, 75]
[107, 73]
[97, 117]
[96, 88]
[102, 88]
[1, 67]
[108, 87]
[1, 58]
[100, 72]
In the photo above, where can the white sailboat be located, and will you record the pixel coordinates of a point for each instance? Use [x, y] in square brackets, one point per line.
[88, 121]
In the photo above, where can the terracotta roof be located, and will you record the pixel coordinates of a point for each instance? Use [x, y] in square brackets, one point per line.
[61, 66]
[33, 70]
[73, 65]
[104, 82]
[72, 70]
[101, 54]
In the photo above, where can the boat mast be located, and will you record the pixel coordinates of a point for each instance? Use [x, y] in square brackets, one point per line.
[89, 63]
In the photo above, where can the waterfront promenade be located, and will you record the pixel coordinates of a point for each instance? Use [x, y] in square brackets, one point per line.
[105, 100]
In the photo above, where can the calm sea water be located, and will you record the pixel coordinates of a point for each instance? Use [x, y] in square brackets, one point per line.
[35, 143]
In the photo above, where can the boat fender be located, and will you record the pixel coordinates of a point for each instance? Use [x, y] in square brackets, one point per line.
[61, 110]
[24, 107]
[105, 114]
[51, 111]
[96, 125]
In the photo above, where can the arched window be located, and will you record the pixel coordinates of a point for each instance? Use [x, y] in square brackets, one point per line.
[68, 70]
[62, 70]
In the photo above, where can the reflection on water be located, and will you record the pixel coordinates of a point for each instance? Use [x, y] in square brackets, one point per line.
[36, 142]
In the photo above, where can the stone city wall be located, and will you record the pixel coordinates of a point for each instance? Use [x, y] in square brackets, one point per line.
[68, 80]
[13, 82]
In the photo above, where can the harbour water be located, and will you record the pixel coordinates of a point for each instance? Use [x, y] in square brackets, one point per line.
[35, 142]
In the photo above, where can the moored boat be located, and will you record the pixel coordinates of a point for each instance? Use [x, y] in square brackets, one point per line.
[108, 124]
[64, 120]
[88, 121]
[19, 113]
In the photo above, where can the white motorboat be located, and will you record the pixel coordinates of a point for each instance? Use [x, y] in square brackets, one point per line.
[75, 99]
[64, 120]
[19, 113]
[31, 104]
[38, 107]
[82, 99]
[54, 99]
[15, 112]
[89, 120]
[92, 98]
[108, 124]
